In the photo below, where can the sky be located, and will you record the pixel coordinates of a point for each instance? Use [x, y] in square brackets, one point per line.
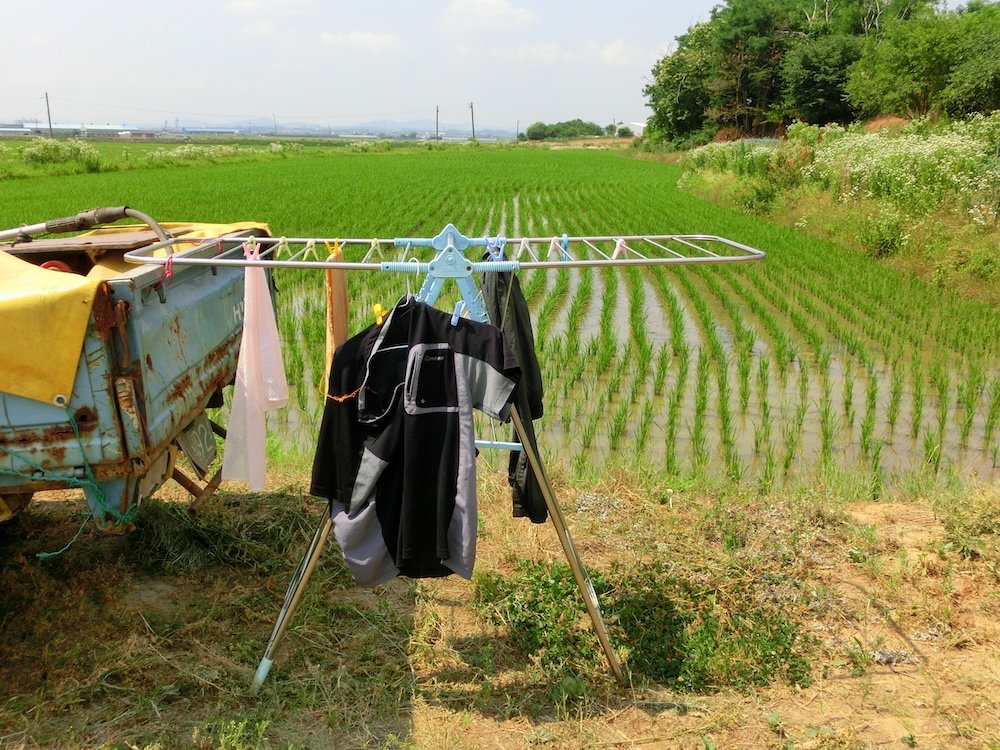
[335, 63]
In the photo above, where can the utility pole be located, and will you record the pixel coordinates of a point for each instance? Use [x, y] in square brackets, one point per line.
[473, 111]
[49, 113]
[517, 130]
[275, 123]
[437, 115]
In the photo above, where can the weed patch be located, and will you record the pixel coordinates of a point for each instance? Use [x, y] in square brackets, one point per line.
[690, 634]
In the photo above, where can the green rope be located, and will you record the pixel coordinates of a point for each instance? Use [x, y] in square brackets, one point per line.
[89, 482]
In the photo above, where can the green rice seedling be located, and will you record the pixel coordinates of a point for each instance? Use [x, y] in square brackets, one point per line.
[609, 298]
[763, 381]
[969, 393]
[705, 316]
[636, 306]
[917, 404]
[848, 385]
[578, 308]
[941, 381]
[992, 414]
[762, 430]
[768, 471]
[827, 425]
[932, 450]
[744, 367]
[868, 421]
[784, 349]
[698, 436]
[619, 421]
[642, 429]
[534, 285]
[877, 473]
[662, 365]
[674, 402]
[550, 304]
[895, 398]
[790, 445]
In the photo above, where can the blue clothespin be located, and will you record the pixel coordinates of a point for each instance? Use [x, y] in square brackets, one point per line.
[565, 246]
[495, 247]
[459, 309]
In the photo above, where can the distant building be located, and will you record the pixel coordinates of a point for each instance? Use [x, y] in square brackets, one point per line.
[211, 131]
[79, 130]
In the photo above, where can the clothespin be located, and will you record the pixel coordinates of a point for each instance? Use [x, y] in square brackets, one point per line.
[281, 248]
[495, 247]
[331, 252]
[619, 248]
[459, 309]
[522, 248]
[380, 313]
[310, 250]
[168, 269]
[374, 247]
[554, 247]
[250, 247]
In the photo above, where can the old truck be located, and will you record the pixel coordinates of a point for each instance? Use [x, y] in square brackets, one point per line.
[109, 367]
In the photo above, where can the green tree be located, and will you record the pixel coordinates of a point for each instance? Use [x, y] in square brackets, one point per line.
[906, 70]
[537, 131]
[748, 46]
[974, 81]
[814, 75]
[678, 95]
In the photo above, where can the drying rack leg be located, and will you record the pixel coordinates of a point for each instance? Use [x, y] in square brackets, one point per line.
[575, 564]
[293, 595]
[308, 563]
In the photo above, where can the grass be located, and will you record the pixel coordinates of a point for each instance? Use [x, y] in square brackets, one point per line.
[150, 640]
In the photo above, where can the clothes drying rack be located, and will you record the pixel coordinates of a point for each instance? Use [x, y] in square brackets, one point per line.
[449, 259]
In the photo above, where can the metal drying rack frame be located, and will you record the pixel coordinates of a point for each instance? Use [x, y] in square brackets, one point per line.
[450, 261]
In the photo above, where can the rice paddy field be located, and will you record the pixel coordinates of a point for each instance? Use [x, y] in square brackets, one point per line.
[807, 439]
[814, 360]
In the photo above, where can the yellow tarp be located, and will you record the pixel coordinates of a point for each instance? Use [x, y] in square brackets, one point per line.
[44, 314]
[44, 318]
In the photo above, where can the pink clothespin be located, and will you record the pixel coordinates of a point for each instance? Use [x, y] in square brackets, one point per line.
[620, 248]
[555, 246]
[168, 268]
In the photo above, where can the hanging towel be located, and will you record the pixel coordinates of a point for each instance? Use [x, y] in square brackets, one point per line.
[260, 382]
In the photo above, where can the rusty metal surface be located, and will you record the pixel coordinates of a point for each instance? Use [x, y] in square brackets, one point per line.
[119, 241]
[154, 355]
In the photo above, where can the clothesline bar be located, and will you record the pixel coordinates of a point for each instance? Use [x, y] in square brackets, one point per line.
[380, 255]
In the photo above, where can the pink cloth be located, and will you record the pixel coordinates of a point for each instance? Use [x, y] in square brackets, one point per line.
[260, 382]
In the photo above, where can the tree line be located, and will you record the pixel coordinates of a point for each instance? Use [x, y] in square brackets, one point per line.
[540, 131]
[758, 65]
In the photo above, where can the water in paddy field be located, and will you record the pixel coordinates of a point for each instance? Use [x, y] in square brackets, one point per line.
[776, 419]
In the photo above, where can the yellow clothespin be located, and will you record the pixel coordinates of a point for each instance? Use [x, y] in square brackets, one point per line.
[310, 250]
[380, 313]
[251, 245]
[282, 248]
[332, 252]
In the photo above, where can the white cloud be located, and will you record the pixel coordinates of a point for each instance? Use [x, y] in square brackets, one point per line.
[244, 6]
[360, 40]
[484, 15]
[620, 54]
